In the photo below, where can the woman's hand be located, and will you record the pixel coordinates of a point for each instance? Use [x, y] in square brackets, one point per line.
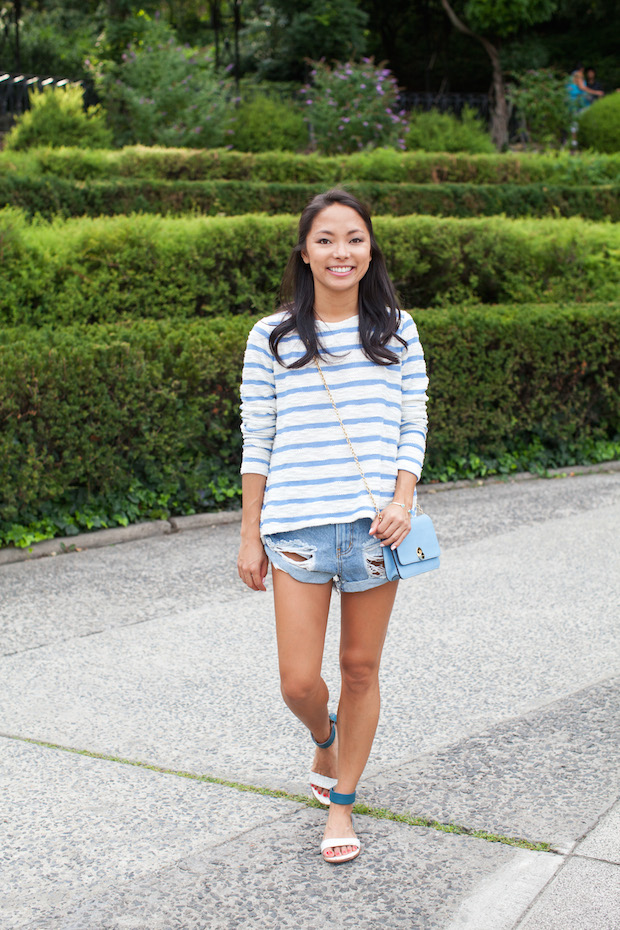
[252, 564]
[392, 525]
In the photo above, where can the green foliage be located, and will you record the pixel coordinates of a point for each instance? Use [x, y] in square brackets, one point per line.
[599, 125]
[53, 41]
[543, 106]
[284, 35]
[264, 124]
[285, 167]
[57, 117]
[108, 424]
[148, 409]
[353, 106]
[50, 196]
[433, 131]
[102, 269]
[506, 17]
[162, 93]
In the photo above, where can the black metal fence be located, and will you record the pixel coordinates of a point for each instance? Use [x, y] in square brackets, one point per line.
[445, 102]
[14, 90]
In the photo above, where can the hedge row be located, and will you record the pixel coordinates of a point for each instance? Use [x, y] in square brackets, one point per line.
[95, 270]
[50, 196]
[92, 410]
[284, 167]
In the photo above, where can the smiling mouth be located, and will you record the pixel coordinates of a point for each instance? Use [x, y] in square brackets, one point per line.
[341, 269]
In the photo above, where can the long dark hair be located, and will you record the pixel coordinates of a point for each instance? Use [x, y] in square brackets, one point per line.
[379, 317]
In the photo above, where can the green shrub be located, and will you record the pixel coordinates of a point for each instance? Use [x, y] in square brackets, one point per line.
[163, 93]
[57, 117]
[543, 106]
[111, 268]
[50, 195]
[599, 125]
[433, 131]
[353, 106]
[264, 124]
[286, 167]
[105, 424]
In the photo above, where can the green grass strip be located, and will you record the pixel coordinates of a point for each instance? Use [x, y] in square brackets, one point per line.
[360, 809]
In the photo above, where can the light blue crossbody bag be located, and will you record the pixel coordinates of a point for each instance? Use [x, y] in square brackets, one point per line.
[419, 550]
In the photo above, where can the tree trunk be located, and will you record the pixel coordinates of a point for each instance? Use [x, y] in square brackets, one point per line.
[17, 6]
[237, 27]
[499, 107]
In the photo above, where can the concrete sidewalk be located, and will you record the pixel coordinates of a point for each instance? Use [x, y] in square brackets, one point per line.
[135, 677]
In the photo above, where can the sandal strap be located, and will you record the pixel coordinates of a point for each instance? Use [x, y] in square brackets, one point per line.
[332, 736]
[336, 798]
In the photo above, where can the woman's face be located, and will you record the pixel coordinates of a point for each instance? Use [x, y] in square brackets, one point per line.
[337, 249]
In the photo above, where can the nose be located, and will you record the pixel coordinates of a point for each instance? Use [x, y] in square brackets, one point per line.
[341, 249]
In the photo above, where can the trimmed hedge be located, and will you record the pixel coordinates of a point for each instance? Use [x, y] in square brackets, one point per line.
[86, 411]
[285, 167]
[51, 196]
[95, 270]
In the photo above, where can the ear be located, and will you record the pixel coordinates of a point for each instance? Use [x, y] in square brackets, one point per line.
[304, 257]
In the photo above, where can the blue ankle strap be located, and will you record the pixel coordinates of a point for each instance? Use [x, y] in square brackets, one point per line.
[337, 798]
[332, 736]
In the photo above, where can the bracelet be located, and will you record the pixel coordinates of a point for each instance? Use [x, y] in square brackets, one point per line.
[399, 504]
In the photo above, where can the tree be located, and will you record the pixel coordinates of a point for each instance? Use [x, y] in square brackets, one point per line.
[499, 19]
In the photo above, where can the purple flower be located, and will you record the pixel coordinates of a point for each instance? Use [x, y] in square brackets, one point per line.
[365, 122]
[379, 126]
[309, 102]
[346, 119]
[380, 90]
[363, 86]
[229, 67]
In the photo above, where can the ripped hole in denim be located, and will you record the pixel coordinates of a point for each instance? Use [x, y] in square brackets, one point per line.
[375, 566]
[296, 552]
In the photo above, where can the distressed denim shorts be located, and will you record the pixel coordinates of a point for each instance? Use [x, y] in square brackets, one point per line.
[342, 552]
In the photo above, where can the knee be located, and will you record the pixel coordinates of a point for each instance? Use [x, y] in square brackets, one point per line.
[359, 674]
[296, 689]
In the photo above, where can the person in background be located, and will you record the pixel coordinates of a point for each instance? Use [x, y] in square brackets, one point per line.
[594, 86]
[580, 96]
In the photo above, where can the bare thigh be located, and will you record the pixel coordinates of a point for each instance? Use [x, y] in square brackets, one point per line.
[301, 621]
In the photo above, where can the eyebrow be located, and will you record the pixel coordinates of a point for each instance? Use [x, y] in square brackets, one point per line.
[350, 233]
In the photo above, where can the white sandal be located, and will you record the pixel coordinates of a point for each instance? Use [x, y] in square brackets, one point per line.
[323, 781]
[335, 841]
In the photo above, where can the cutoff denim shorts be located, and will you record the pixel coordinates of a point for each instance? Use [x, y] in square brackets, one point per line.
[342, 552]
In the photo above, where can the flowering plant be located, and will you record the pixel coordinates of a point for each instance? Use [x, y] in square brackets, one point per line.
[163, 93]
[353, 106]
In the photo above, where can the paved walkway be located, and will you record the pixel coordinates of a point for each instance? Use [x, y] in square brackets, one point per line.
[152, 779]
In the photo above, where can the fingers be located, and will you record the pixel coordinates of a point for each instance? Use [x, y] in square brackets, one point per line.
[392, 527]
[253, 574]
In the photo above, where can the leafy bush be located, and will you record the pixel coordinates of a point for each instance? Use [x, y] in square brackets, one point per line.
[265, 123]
[113, 268]
[54, 41]
[599, 125]
[105, 424]
[283, 167]
[353, 106]
[163, 93]
[543, 106]
[50, 195]
[57, 117]
[433, 131]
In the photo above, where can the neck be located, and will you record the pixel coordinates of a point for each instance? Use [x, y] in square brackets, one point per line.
[331, 308]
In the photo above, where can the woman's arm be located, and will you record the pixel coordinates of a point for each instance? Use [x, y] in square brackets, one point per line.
[252, 563]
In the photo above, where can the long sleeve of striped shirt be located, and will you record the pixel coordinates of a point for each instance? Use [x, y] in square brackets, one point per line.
[292, 436]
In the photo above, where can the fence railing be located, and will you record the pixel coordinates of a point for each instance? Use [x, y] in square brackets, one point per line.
[14, 90]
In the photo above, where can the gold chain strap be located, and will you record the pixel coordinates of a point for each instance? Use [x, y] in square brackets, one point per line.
[346, 436]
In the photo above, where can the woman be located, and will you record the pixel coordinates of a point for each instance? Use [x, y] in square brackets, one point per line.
[305, 505]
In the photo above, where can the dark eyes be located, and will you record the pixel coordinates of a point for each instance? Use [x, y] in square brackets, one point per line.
[324, 241]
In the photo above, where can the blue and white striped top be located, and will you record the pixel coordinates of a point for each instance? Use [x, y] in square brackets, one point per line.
[292, 436]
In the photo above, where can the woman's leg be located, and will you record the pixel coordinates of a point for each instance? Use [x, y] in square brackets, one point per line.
[365, 618]
[301, 621]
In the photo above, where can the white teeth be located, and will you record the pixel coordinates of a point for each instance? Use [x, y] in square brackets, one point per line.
[341, 269]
